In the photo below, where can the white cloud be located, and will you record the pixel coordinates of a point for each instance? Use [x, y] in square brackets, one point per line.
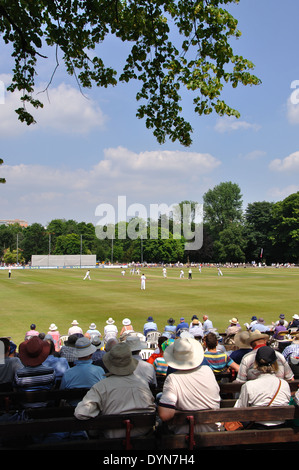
[279, 194]
[65, 110]
[230, 123]
[289, 163]
[45, 192]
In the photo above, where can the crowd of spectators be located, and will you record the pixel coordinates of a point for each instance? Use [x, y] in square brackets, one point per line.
[189, 360]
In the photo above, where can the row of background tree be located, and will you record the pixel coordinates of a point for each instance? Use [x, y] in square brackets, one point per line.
[265, 231]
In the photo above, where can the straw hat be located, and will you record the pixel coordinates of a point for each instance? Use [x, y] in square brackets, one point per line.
[119, 360]
[257, 335]
[242, 339]
[234, 321]
[184, 353]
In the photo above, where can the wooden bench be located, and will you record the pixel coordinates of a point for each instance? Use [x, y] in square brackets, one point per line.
[15, 434]
[225, 439]
[156, 441]
[10, 401]
[60, 418]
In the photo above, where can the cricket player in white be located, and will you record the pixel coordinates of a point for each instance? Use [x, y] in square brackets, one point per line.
[87, 275]
[143, 278]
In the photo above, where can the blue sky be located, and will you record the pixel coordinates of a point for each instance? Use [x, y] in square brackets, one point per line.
[87, 151]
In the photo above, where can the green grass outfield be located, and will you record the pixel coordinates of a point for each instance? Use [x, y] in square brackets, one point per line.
[60, 296]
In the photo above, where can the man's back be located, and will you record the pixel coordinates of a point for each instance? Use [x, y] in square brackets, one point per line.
[191, 390]
[83, 375]
[117, 395]
[9, 368]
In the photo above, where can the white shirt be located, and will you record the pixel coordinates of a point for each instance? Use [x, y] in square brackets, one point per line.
[195, 389]
[260, 391]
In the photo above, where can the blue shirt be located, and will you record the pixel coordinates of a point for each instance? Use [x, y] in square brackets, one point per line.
[259, 326]
[182, 326]
[149, 326]
[84, 374]
[207, 326]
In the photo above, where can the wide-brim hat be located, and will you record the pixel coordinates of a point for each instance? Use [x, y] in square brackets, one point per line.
[296, 317]
[119, 360]
[150, 319]
[184, 353]
[256, 335]
[135, 343]
[92, 326]
[110, 321]
[126, 321]
[97, 342]
[171, 321]
[242, 339]
[234, 321]
[52, 327]
[74, 322]
[84, 347]
[34, 351]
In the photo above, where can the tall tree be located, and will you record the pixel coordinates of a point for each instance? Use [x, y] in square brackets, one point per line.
[285, 234]
[259, 225]
[174, 44]
[231, 244]
[222, 207]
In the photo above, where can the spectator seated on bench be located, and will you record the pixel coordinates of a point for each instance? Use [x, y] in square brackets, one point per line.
[247, 371]
[59, 364]
[68, 349]
[121, 392]
[84, 374]
[192, 386]
[34, 375]
[242, 346]
[267, 389]
[218, 361]
[9, 366]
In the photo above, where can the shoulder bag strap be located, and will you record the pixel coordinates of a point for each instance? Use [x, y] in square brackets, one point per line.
[273, 398]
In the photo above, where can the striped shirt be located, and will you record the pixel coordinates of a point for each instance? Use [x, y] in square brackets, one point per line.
[160, 366]
[291, 351]
[30, 379]
[218, 361]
